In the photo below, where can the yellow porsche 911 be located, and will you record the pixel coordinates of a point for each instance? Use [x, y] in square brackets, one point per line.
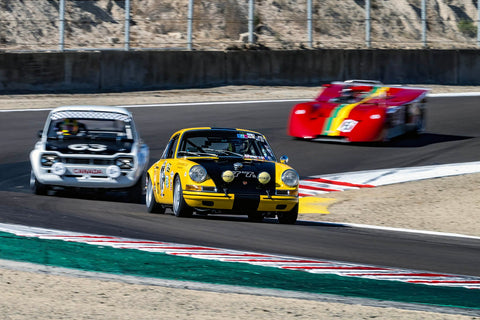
[219, 170]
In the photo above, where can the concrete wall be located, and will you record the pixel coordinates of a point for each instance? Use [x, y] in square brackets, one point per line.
[143, 70]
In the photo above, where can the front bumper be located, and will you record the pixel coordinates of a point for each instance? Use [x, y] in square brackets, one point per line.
[221, 201]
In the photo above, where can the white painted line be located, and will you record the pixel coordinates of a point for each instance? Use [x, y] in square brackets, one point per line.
[435, 95]
[366, 226]
[185, 104]
[398, 175]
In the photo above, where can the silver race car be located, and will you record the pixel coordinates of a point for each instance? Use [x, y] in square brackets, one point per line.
[93, 147]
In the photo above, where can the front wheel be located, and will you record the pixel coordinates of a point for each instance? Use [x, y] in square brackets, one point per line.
[152, 205]
[136, 193]
[288, 217]
[180, 207]
[37, 187]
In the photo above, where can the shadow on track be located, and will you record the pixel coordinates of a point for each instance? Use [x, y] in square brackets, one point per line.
[406, 141]
[15, 177]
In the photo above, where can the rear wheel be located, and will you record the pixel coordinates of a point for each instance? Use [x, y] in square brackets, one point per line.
[180, 207]
[36, 186]
[152, 205]
[288, 217]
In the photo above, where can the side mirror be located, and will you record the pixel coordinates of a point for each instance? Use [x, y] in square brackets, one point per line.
[40, 133]
[284, 159]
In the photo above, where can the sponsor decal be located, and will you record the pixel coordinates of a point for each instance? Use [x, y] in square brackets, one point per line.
[87, 171]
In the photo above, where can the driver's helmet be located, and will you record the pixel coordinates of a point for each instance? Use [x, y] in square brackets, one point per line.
[347, 92]
[69, 127]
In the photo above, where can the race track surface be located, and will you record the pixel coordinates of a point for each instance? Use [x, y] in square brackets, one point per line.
[452, 136]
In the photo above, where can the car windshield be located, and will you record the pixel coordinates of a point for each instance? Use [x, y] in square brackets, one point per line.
[98, 129]
[222, 143]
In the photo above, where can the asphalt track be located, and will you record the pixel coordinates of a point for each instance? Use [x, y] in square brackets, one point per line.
[452, 136]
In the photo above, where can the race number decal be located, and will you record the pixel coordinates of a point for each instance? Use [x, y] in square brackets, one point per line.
[87, 147]
[347, 125]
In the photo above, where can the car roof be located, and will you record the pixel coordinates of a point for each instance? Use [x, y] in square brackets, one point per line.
[93, 108]
[216, 129]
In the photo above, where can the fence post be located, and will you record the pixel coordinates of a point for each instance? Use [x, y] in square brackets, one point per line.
[309, 24]
[61, 28]
[189, 25]
[251, 11]
[478, 24]
[127, 25]
[368, 42]
[424, 23]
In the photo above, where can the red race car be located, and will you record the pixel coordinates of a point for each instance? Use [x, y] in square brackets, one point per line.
[359, 111]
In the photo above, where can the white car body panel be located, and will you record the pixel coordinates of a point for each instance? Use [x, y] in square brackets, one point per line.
[90, 163]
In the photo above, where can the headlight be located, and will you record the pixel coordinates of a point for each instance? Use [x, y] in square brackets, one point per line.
[124, 163]
[264, 177]
[198, 173]
[290, 178]
[47, 160]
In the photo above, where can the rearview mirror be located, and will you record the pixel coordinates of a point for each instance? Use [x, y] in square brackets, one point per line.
[284, 159]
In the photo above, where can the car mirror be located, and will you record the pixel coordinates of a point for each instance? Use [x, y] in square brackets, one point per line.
[284, 159]
[40, 133]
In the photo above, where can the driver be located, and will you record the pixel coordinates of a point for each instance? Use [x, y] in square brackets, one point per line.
[71, 127]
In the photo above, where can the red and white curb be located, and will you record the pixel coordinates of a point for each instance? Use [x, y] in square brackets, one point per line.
[321, 184]
[266, 260]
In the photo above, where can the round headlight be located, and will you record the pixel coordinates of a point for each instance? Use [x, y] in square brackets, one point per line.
[264, 177]
[58, 168]
[113, 171]
[228, 176]
[290, 178]
[198, 173]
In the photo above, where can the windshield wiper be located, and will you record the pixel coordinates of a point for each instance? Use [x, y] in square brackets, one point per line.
[231, 153]
[197, 154]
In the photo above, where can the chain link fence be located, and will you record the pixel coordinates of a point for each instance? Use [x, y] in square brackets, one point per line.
[60, 25]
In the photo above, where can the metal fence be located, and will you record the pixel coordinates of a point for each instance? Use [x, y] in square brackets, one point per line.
[60, 25]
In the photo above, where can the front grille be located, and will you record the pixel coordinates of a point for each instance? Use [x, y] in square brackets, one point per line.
[105, 162]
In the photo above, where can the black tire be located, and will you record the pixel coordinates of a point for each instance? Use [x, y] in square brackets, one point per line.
[420, 127]
[255, 216]
[152, 205]
[288, 217]
[180, 207]
[136, 193]
[37, 187]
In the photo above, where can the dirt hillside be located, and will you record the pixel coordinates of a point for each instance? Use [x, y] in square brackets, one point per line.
[279, 24]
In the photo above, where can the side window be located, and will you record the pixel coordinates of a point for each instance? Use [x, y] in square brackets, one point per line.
[170, 149]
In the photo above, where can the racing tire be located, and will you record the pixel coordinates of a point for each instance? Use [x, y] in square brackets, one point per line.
[37, 187]
[180, 207]
[152, 205]
[288, 217]
[136, 193]
[420, 128]
[255, 216]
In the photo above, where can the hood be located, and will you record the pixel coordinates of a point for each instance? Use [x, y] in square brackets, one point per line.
[86, 146]
[245, 171]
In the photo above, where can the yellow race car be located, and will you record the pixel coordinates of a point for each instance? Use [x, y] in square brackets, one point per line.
[222, 170]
